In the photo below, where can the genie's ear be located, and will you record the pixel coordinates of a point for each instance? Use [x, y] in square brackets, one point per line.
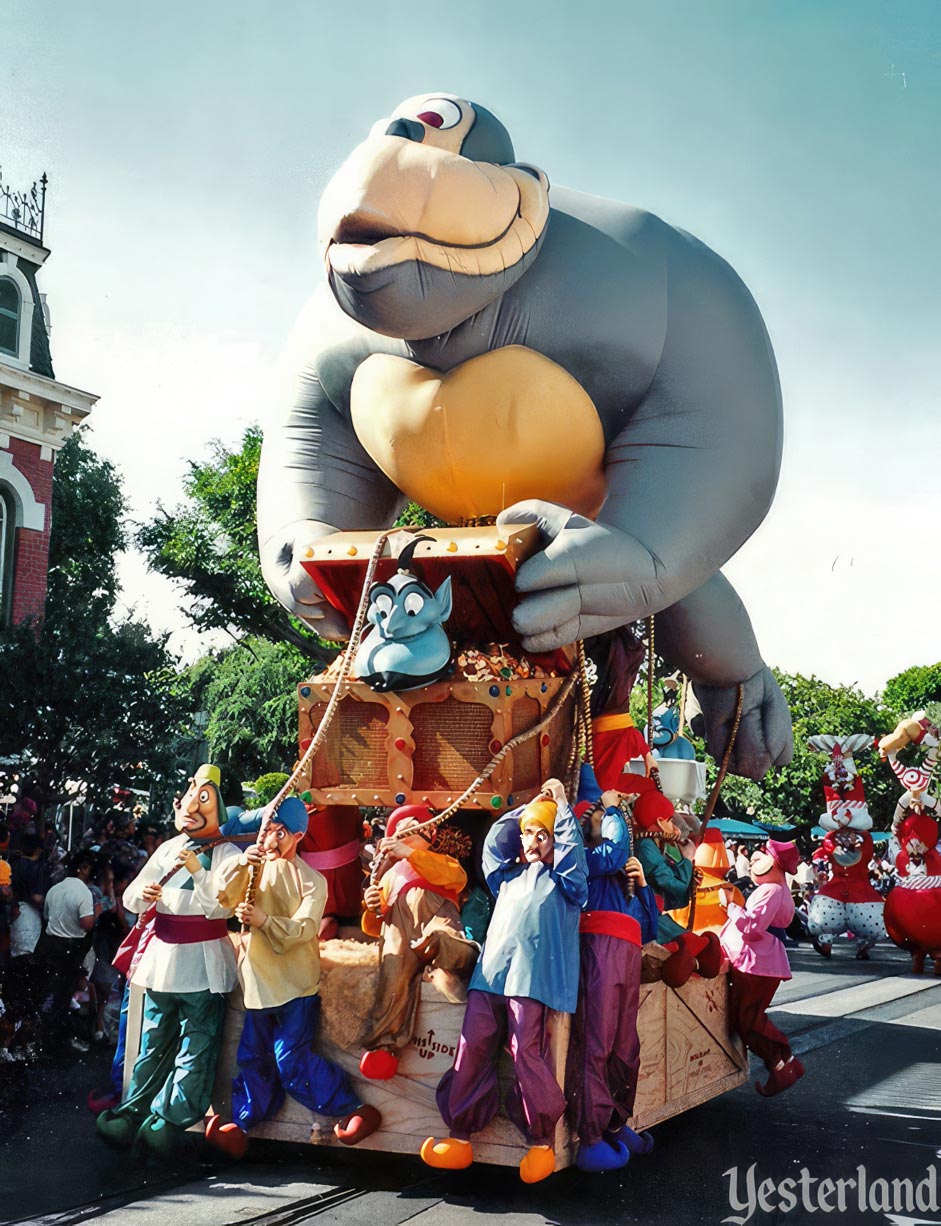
[443, 599]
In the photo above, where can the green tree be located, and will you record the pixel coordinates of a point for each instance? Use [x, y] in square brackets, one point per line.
[250, 694]
[208, 546]
[794, 793]
[81, 692]
[914, 689]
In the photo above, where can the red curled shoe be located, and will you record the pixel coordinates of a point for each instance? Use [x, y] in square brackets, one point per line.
[781, 1079]
[679, 966]
[379, 1065]
[709, 958]
[358, 1125]
[231, 1139]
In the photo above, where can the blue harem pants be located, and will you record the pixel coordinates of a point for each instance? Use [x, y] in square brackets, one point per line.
[276, 1054]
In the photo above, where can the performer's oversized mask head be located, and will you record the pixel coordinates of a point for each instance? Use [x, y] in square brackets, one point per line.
[918, 834]
[405, 824]
[201, 812]
[285, 830]
[774, 861]
[430, 218]
[537, 831]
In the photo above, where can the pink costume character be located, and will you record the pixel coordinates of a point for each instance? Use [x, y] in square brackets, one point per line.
[758, 963]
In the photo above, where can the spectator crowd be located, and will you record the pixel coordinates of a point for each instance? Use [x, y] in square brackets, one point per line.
[61, 921]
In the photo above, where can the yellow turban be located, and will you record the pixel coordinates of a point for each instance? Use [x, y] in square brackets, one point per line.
[541, 812]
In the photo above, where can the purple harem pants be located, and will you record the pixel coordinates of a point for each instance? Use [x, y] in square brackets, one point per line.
[468, 1096]
[604, 1051]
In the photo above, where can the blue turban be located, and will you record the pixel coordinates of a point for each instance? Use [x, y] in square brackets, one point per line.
[292, 814]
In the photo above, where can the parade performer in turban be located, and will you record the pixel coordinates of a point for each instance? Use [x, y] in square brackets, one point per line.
[415, 913]
[848, 902]
[913, 907]
[280, 976]
[534, 865]
[604, 1053]
[186, 971]
[758, 963]
[672, 881]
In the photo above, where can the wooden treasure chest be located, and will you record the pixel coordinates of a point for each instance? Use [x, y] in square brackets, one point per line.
[427, 745]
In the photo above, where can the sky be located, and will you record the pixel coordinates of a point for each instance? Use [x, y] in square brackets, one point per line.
[187, 145]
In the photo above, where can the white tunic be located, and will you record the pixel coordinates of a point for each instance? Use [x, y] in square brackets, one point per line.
[202, 965]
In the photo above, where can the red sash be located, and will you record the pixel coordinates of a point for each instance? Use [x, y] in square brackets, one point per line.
[188, 929]
[611, 924]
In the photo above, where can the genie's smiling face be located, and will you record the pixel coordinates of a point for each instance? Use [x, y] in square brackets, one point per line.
[430, 219]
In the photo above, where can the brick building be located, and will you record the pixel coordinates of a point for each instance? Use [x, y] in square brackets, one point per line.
[37, 412]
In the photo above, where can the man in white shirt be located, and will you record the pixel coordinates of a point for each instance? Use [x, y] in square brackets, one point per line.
[186, 971]
[69, 917]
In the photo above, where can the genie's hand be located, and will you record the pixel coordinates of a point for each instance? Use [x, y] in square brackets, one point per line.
[589, 578]
[764, 737]
[281, 557]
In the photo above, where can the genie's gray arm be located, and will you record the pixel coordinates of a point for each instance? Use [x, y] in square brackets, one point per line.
[708, 636]
[314, 477]
[690, 475]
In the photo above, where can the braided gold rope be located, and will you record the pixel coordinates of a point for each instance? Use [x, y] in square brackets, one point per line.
[586, 703]
[327, 719]
[495, 761]
[651, 656]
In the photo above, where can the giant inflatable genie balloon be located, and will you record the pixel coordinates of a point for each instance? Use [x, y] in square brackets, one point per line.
[488, 346]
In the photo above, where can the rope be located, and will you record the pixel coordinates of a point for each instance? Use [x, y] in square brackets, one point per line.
[714, 794]
[520, 739]
[318, 737]
[585, 691]
[651, 657]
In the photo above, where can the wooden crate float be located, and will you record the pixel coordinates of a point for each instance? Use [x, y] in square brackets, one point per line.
[427, 745]
[687, 1057]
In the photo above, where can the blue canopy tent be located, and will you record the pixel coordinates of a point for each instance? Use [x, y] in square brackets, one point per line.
[773, 828]
[728, 827]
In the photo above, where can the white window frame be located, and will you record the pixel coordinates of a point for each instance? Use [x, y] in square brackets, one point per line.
[10, 269]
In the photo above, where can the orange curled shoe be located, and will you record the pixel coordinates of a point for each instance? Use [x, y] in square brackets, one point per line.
[538, 1163]
[358, 1125]
[231, 1139]
[379, 1065]
[447, 1155]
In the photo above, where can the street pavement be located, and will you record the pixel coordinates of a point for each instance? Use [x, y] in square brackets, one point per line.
[868, 1033]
